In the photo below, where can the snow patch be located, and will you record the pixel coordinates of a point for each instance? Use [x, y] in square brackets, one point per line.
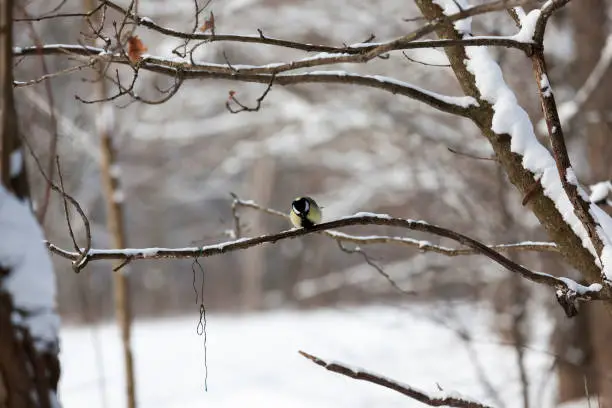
[528, 25]
[370, 214]
[31, 281]
[600, 191]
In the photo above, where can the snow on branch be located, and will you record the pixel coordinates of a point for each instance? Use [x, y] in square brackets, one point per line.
[554, 174]
[600, 192]
[434, 399]
[422, 245]
[596, 223]
[568, 294]
[182, 69]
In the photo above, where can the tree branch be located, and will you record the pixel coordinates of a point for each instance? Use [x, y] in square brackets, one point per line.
[568, 292]
[508, 129]
[459, 105]
[422, 245]
[372, 48]
[437, 399]
[567, 176]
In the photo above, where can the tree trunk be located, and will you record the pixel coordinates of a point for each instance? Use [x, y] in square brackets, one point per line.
[113, 197]
[28, 374]
[253, 260]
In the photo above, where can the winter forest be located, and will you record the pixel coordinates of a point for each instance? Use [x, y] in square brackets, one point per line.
[460, 152]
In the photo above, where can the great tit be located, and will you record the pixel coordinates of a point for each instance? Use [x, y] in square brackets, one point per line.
[305, 212]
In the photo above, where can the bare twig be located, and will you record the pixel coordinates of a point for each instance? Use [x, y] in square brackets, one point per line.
[45, 77]
[53, 15]
[244, 108]
[470, 155]
[424, 63]
[433, 399]
[80, 262]
[377, 267]
[80, 257]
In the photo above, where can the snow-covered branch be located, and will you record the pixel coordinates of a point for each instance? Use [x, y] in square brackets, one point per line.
[432, 398]
[421, 245]
[586, 212]
[581, 230]
[568, 292]
[182, 69]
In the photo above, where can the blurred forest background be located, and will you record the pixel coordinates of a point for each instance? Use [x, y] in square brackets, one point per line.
[353, 149]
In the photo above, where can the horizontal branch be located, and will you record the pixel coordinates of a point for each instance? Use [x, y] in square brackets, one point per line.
[427, 246]
[437, 399]
[372, 49]
[568, 292]
[422, 245]
[458, 105]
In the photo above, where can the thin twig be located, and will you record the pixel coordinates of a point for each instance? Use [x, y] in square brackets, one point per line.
[244, 108]
[377, 267]
[80, 257]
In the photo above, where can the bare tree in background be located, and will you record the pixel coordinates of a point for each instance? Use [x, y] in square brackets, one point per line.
[547, 182]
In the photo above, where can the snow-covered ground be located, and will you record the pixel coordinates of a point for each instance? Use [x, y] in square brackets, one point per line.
[253, 359]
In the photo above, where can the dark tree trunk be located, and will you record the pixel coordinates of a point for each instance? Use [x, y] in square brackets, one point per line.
[28, 375]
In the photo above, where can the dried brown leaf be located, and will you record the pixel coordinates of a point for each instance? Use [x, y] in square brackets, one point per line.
[135, 48]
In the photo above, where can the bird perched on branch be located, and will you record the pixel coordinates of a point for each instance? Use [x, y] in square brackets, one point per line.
[305, 212]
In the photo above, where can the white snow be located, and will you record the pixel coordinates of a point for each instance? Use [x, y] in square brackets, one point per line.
[600, 191]
[16, 163]
[528, 24]
[545, 87]
[31, 281]
[370, 214]
[578, 288]
[462, 101]
[253, 359]
[510, 118]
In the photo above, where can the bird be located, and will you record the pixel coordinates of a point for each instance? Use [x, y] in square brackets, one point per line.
[305, 212]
